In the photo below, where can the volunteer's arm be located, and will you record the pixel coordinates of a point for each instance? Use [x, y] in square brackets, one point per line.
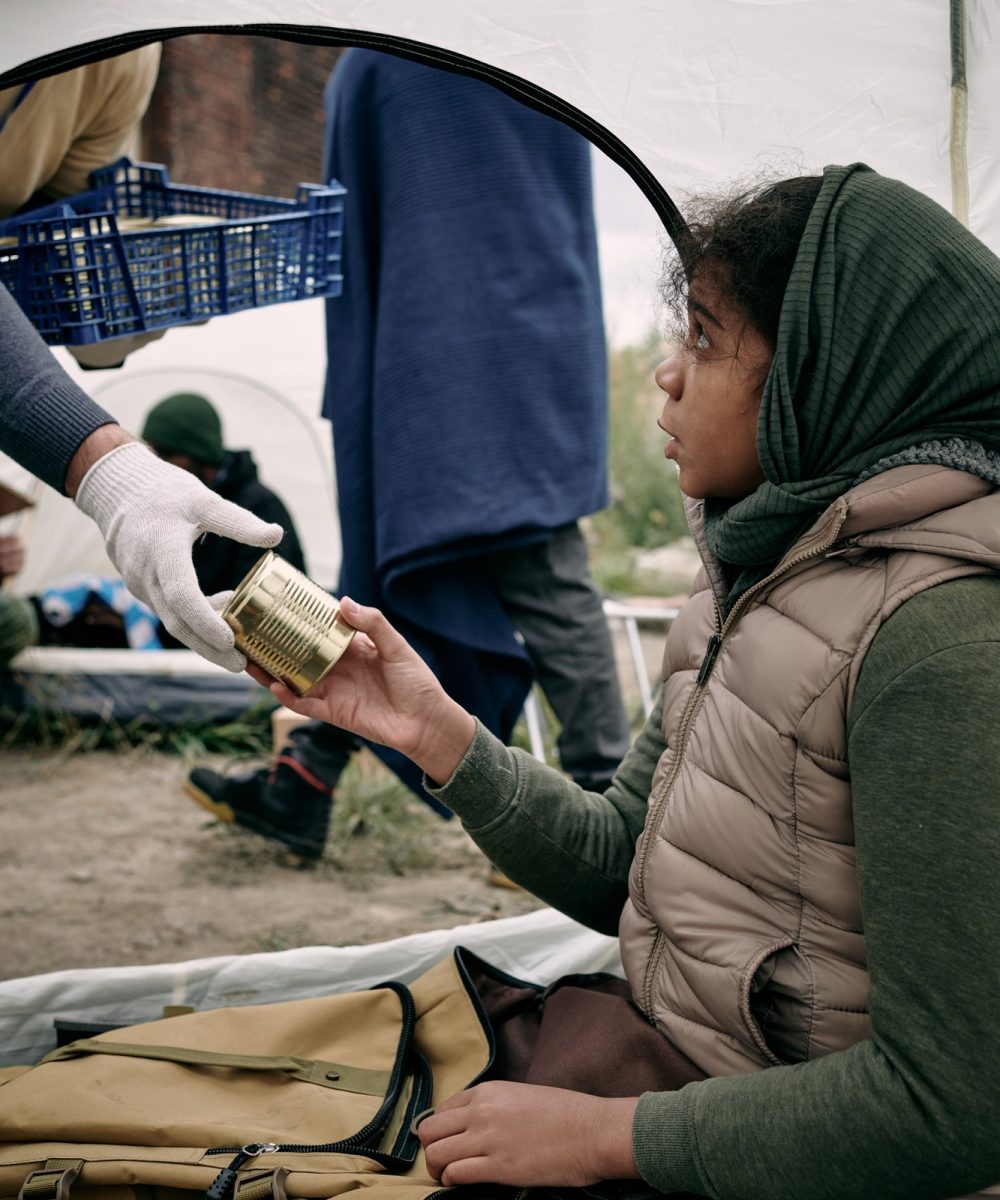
[45, 419]
[149, 512]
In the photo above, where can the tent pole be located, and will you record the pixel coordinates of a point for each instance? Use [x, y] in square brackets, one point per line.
[959, 116]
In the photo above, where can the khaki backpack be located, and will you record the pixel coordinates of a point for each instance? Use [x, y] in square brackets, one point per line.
[297, 1100]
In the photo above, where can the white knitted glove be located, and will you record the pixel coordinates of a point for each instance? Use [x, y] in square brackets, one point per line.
[151, 514]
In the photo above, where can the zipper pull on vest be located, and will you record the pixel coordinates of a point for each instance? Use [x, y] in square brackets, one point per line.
[708, 662]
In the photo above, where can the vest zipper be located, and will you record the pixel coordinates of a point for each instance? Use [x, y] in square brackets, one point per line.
[715, 642]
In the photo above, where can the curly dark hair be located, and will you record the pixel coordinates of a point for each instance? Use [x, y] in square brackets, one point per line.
[748, 240]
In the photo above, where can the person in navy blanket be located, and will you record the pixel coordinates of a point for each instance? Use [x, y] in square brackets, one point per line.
[467, 389]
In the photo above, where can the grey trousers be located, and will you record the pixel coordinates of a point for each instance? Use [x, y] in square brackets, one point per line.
[554, 604]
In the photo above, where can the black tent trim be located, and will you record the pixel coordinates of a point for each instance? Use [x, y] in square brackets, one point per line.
[528, 93]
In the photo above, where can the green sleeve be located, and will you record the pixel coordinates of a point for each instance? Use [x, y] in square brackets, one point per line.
[915, 1111]
[568, 847]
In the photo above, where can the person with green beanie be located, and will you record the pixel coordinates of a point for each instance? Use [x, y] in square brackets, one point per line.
[18, 622]
[185, 425]
[184, 429]
[799, 852]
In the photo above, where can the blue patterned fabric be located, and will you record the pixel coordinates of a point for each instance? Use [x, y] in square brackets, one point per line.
[467, 374]
[66, 599]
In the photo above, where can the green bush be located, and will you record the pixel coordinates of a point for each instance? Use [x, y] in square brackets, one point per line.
[646, 508]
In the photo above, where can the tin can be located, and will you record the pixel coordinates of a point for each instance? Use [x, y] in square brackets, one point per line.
[286, 624]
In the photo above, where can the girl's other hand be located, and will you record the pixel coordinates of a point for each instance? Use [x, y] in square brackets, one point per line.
[524, 1135]
[11, 555]
[382, 690]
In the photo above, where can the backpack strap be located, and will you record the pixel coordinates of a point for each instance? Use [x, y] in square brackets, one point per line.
[261, 1185]
[53, 1181]
[338, 1076]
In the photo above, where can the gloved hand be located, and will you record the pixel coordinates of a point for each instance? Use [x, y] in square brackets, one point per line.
[151, 514]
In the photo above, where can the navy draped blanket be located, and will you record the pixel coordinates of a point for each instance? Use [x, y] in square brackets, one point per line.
[467, 373]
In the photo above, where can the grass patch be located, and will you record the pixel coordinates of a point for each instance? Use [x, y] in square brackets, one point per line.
[49, 729]
[378, 824]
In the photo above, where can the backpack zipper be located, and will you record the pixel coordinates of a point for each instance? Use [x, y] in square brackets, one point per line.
[222, 1186]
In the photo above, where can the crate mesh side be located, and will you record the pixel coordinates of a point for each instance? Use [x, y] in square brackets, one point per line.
[81, 279]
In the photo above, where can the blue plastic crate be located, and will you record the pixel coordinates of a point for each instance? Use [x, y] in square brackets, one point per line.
[92, 267]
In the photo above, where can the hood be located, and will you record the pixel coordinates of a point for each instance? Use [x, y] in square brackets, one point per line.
[925, 508]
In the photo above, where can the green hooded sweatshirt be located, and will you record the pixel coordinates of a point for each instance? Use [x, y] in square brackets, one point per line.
[888, 352]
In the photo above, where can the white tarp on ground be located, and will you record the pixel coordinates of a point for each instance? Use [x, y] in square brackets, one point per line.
[539, 947]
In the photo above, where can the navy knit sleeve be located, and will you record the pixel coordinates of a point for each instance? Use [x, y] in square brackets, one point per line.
[44, 416]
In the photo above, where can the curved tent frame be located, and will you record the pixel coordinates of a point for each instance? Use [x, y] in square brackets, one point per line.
[682, 94]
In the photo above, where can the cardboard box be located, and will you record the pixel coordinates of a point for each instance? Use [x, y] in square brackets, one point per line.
[283, 721]
[12, 501]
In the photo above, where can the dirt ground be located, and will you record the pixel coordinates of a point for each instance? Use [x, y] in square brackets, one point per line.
[107, 863]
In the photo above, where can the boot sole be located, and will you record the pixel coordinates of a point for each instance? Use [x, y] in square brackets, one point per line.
[496, 878]
[217, 808]
[223, 812]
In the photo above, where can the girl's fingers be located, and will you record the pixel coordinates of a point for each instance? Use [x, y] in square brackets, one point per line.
[283, 693]
[442, 1123]
[458, 1100]
[372, 622]
[280, 690]
[260, 675]
[478, 1169]
[445, 1156]
[306, 705]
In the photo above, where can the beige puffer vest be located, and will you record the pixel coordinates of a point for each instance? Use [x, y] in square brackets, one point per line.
[742, 937]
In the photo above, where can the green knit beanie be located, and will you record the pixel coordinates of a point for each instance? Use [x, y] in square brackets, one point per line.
[186, 423]
[18, 625]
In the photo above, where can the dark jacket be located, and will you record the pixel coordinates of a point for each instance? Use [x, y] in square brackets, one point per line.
[220, 563]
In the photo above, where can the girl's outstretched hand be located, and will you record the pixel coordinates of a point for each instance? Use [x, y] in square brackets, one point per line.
[524, 1135]
[382, 690]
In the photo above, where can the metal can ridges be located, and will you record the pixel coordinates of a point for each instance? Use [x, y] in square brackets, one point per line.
[287, 624]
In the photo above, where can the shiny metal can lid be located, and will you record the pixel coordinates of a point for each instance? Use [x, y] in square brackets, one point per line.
[286, 624]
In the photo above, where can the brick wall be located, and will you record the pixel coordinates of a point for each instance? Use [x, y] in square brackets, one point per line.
[237, 112]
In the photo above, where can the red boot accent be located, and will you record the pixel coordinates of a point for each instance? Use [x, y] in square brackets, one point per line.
[283, 760]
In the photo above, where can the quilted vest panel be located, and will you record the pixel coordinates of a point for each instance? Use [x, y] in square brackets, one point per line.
[742, 939]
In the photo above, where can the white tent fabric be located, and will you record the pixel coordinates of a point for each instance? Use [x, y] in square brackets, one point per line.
[539, 947]
[264, 372]
[687, 93]
[697, 90]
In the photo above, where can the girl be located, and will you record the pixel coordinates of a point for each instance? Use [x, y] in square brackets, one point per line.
[799, 852]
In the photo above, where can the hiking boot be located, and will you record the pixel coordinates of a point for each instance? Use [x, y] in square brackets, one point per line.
[286, 804]
[497, 878]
